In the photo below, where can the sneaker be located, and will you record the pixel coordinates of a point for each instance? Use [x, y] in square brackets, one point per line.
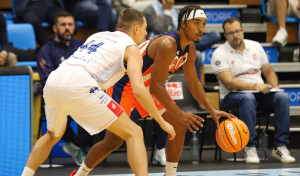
[281, 37]
[73, 173]
[77, 154]
[283, 154]
[251, 155]
[159, 157]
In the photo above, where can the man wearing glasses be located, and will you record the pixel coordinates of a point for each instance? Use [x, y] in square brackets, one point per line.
[238, 64]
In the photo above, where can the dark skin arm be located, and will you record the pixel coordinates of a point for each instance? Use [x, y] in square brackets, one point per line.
[163, 50]
[196, 87]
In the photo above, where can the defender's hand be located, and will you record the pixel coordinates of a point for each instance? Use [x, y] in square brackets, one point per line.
[169, 129]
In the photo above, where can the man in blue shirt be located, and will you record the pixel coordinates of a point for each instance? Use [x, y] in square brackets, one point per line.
[60, 46]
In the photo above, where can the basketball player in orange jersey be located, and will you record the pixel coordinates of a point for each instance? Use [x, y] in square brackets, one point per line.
[162, 56]
[75, 88]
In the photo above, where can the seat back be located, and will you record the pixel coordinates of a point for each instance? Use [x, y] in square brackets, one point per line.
[21, 35]
[179, 91]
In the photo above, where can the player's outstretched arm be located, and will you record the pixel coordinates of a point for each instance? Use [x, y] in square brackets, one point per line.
[163, 49]
[134, 67]
[196, 87]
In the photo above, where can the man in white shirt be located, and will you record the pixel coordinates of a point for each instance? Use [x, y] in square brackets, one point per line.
[238, 65]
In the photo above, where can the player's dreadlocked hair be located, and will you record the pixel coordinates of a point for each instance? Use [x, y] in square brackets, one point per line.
[185, 12]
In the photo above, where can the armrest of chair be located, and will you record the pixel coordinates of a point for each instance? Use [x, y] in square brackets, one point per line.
[211, 88]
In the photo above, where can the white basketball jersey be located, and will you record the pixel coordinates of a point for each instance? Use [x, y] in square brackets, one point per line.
[102, 55]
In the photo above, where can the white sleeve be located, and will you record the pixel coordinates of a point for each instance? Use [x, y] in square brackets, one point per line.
[219, 62]
[263, 58]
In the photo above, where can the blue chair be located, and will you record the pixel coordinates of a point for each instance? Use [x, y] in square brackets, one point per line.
[274, 19]
[21, 35]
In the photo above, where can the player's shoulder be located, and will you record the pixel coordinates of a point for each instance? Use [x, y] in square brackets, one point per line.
[164, 42]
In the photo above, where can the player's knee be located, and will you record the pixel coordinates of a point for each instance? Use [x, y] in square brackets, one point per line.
[52, 136]
[248, 97]
[135, 132]
[114, 142]
[138, 131]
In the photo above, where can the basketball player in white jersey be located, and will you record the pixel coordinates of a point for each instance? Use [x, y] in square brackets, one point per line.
[75, 89]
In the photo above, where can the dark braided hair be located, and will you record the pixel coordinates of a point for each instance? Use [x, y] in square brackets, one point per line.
[185, 12]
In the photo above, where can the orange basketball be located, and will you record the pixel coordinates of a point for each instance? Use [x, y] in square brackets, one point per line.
[232, 135]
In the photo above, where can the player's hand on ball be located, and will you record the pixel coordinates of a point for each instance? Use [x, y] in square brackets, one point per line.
[216, 114]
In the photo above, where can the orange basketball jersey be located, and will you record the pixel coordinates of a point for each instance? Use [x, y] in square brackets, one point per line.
[122, 93]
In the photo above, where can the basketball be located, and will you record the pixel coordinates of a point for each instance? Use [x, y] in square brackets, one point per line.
[232, 135]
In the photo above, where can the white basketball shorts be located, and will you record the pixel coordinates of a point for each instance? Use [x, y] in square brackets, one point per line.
[70, 90]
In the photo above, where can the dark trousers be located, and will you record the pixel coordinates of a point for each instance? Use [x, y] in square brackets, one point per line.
[37, 12]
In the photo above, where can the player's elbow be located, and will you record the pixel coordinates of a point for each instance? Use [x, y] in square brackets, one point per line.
[138, 90]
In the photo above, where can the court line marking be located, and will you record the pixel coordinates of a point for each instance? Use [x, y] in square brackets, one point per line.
[246, 172]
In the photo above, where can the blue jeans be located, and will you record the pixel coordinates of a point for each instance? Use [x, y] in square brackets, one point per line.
[198, 63]
[248, 103]
[38, 11]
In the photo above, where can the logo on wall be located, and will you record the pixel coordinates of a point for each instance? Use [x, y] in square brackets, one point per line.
[175, 90]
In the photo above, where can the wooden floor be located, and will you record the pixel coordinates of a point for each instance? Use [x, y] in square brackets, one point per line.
[117, 165]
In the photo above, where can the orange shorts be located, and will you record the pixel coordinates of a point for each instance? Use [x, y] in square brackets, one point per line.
[122, 94]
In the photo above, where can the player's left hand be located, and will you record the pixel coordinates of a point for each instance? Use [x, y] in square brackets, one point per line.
[169, 129]
[216, 114]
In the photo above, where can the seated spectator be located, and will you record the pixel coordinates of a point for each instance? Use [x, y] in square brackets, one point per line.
[14, 54]
[92, 12]
[238, 65]
[120, 5]
[7, 58]
[161, 17]
[60, 46]
[37, 11]
[281, 9]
